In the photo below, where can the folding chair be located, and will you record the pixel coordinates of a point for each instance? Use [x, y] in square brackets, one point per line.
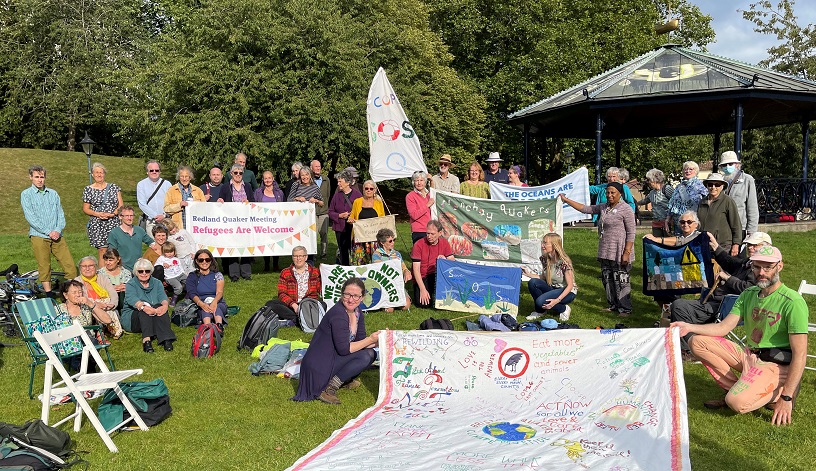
[725, 308]
[805, 288]
[83, 381]
[28, 313]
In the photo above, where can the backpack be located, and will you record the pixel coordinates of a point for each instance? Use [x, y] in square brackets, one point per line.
[34, 446]
[439, 324]
[206, 341]
[261, 326]
[185, 314]
[310, 313]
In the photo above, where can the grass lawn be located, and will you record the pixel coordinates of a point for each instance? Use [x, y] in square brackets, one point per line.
[225, 418]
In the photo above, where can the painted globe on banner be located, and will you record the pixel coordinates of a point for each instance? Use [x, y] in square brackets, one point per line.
[373, 294]
[508, 432]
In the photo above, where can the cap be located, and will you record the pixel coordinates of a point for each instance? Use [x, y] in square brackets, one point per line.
[758, 238]
[767, 253]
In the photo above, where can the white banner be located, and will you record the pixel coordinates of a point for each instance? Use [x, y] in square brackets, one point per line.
[384, 284]
[575, 186]
[395, 148]
[365, 230]
[252, 229]
[562, 400]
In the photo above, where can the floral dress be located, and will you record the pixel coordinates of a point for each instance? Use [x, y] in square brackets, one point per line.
[105, 200]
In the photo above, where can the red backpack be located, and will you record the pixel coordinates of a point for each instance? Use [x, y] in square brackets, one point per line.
[206, 341]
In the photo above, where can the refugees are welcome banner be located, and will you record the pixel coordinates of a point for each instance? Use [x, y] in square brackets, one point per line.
[250, 229]
[575, 186]
[384, 284]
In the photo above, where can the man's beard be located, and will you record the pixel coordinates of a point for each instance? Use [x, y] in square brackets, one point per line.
[765, 283]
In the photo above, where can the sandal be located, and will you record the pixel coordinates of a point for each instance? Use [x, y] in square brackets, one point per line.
[715, 404]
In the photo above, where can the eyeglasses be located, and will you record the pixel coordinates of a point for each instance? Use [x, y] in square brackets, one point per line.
[368, 189]
[388, 241]
[203, 260]
[237, 173]
[714, 184]
[730, 164]
[687, 222]
[760, 269]
[354, 297]
[142, 272]
[444, 165]
[153, 171]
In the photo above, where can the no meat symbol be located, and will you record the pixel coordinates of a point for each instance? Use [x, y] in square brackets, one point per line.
[513, 362]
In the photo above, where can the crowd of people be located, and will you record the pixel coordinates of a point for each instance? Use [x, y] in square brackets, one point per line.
[149, 263]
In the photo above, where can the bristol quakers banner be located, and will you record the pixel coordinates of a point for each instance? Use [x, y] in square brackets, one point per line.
[575, 186]
[394, 145]
[384, 284]
[252, 229]
[670, 270]
[497, 232]
[563, 400]
[467, 287]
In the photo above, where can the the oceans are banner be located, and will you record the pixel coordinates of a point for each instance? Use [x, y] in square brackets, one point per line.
[575, 186]
[496, 232]
[248, 229]
[466, 287]
[563, 400]
[384, 284]
[394, 145]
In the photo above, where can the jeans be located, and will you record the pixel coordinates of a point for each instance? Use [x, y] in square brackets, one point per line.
[543, 292]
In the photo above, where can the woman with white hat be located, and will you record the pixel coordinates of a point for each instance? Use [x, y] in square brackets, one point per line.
[718, 215]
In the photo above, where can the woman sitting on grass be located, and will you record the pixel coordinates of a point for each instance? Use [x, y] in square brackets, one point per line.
[556, 287]
[385, 251]
[339, 350]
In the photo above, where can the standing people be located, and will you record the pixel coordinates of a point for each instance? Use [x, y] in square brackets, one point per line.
[776, 320]
[418, 202]
[555, 288]
[616, 228]
[101, 201]
[612, 175]
[474, 184]
[269, 192]
[494, 173]
[237, 191]
[424, 255]
[42, 209]
[659, 198]
[516, 175]
[339, 350]
[340, 212]
[179, 196]
[249, 175]
[287, 188]
[322, 210]
[212, 188]
[741, 189]
[365, 208]
[686, 197]
[718, 215]
[444, 180]
[150, 196]
[128, 239]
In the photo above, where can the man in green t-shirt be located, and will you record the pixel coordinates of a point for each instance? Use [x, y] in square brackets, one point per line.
[776, 321]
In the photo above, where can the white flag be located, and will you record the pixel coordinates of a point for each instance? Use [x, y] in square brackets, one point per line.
[395, 148]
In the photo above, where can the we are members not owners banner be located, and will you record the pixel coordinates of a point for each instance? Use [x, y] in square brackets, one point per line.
[252, 229]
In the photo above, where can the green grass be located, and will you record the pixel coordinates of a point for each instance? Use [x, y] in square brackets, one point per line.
[225, 418]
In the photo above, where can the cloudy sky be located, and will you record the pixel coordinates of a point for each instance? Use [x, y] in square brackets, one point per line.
[735, 36]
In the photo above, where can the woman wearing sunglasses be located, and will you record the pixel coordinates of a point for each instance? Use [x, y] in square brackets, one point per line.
[339, 350]
[365, 208]
[385, 251]
[719, 215]
[146, 307]
[205, 287]
[237, 191]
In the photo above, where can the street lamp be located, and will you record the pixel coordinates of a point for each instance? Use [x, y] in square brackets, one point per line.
[87, 147]
[568, 157]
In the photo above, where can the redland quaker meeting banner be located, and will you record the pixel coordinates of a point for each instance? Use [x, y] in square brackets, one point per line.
[247, 229]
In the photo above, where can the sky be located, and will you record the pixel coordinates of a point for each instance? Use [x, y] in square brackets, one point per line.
[736, 38]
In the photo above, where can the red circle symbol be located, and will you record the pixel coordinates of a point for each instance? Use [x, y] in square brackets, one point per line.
[510, 364]
[388, 130]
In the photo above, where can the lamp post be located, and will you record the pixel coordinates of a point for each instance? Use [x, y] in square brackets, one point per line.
[568, 157]
[87, 147]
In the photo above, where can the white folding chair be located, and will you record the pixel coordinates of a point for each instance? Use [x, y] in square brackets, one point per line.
[82, 381]
[806, 288]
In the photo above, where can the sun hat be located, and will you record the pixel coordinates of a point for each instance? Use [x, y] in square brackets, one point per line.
[446, 159]
[758, 238]
[729, 157]
[715, 177]
[493, 157]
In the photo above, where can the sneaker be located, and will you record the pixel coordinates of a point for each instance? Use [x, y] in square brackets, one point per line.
[564, 316]
[533, 316]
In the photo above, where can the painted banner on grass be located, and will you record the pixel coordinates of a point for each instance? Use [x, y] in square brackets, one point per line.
[252, 229]
[504, 233]
[467, 287]
[395, 148]
[561, 400]
[384, 284]
[670, 270]
[365, 230]
[575, 186]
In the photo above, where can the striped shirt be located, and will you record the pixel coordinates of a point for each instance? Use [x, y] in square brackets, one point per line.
[43, 211]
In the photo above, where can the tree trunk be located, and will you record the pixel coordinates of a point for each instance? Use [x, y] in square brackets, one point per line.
[71, 137]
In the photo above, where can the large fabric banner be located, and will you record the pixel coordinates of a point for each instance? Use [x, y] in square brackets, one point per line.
[466, 287]
[395, 148]
[384, 284]
[670, 270]
[504, 233]
[561, 400]
[252, 229]
[575, 186]
[365, 230]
